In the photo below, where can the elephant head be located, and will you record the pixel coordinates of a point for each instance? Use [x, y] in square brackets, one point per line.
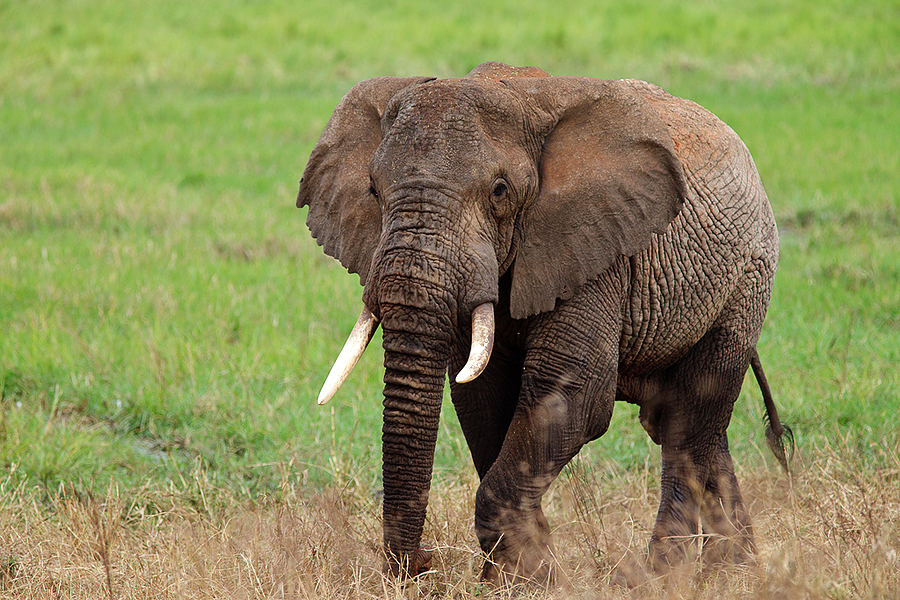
[431, 190]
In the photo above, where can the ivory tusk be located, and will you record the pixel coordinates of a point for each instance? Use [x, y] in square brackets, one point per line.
[482, 343]
[356, 344]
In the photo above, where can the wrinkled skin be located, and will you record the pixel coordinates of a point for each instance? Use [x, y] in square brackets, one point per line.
[628, 247]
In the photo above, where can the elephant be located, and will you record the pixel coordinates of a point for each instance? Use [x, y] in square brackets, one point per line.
[552, 245]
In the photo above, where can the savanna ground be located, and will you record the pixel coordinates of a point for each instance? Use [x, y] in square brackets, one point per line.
[166, 320]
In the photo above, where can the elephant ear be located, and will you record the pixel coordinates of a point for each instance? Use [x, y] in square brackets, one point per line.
[609, 180]
[343, 216]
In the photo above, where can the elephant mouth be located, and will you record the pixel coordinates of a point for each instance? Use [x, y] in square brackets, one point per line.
[361, 335]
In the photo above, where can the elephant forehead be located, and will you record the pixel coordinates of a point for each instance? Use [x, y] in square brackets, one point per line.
[449, 126]
[445, 107]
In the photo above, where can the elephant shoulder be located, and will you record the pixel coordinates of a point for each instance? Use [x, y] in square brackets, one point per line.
[714, 157]
[699, 135]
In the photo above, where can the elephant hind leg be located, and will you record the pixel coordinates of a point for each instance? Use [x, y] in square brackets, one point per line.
[727, 532]
[698, 483]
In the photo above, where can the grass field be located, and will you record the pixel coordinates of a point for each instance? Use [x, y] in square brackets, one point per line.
[166, 319]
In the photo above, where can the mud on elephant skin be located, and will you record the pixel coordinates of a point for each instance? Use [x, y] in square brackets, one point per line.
[555, 244]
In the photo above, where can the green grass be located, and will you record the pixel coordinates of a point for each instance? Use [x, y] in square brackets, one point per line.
[164, 312]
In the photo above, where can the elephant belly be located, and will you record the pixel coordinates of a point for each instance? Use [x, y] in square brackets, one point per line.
[683, 285]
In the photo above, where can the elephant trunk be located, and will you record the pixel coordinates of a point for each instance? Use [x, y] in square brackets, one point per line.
[413, 391]
[416, 355]
[419, 293]
[417, 324]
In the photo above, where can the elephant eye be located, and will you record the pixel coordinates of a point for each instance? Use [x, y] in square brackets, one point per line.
[372, 191]
[499, 190]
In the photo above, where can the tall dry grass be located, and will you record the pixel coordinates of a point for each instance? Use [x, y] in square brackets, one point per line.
[833, 531]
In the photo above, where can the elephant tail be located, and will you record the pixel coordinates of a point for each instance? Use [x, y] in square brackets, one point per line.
[779, 437]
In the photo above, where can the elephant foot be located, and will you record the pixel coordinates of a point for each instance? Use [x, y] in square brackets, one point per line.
[728, 532]
[528, 570]
[409, 566]
[521, 555]
[667, 553]
[737, 549]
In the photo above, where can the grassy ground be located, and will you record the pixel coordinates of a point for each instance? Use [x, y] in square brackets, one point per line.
[824, 535]
[165, 319]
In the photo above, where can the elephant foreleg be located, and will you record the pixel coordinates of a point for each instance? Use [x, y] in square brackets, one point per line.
[566, 399]
[542, 438]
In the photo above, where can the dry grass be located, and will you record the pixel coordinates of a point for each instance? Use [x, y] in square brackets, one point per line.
[833, 532]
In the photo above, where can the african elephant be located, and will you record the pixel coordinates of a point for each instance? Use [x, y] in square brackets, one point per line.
[555, 244]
